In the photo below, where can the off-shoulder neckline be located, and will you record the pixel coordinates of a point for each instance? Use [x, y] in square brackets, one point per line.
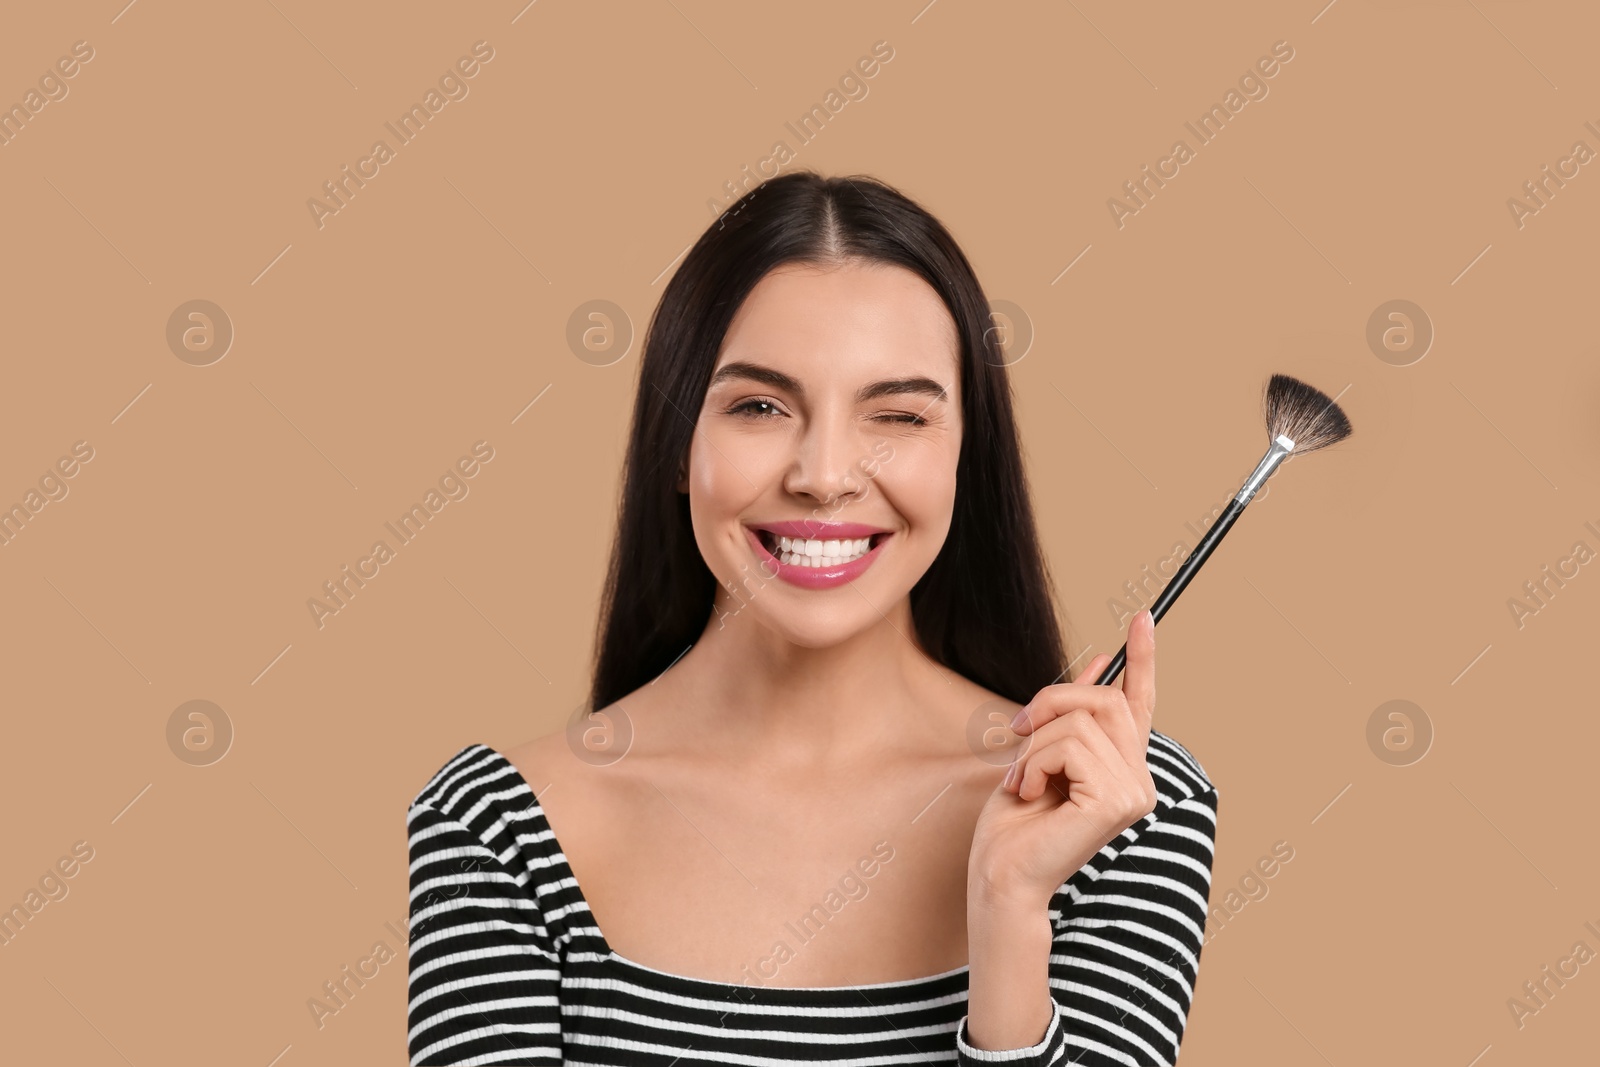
[613, 955]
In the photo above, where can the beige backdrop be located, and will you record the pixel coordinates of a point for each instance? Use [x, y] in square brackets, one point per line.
[366, 346]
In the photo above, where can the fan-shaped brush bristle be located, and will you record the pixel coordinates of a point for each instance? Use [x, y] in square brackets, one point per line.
[1303, 414]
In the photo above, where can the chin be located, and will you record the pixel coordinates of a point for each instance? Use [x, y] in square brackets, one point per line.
[814, 627]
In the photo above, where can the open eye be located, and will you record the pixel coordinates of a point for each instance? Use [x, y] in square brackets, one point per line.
[745, 408]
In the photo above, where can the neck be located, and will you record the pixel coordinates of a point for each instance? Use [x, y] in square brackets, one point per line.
[759, 694]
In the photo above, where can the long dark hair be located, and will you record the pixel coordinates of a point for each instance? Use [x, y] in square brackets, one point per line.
[985, 607]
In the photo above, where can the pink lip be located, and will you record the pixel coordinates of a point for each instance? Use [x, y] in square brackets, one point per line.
[816, 577]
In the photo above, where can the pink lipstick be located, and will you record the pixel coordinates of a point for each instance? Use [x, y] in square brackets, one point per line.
[811, 537]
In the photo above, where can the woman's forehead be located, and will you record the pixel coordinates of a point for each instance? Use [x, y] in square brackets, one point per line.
[862, 319]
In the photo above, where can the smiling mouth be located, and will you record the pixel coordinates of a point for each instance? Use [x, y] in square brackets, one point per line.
[807, 552]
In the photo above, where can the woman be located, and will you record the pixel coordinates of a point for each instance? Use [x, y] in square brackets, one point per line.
[826, 601]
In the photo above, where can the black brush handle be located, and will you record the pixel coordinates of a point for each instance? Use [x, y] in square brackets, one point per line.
[1190, 567]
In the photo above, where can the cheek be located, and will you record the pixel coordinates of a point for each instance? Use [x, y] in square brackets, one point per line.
[729, 470]
[921, 485]
[728, 475]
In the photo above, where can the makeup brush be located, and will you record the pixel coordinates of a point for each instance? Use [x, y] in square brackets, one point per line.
[1299, 419]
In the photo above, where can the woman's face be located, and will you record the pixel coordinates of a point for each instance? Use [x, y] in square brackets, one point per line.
[833, 417]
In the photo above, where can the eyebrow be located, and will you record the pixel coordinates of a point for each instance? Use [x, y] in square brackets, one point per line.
[912, 385]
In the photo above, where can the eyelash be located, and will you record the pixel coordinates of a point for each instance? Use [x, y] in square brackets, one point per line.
[742, 410]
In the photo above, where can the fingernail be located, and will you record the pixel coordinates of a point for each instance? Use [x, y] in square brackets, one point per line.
[1011, 773]
[1018, 720]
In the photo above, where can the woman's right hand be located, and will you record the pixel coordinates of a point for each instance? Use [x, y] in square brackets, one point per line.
[1078, 782]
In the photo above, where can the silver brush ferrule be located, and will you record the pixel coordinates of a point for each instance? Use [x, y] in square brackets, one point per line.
[1280, 450]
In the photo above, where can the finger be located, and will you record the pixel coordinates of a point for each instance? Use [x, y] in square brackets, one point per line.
[1083, 727]
[1130, 779]
[1077, 758]
[1117, 723]
[1056, 700]
[1093, 671]
[1124, 732]
[1114, 804]
[1139, 683]
[1108, 703]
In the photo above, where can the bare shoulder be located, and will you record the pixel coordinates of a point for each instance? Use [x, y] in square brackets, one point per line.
[981, 707]
[544, 761]
[590, 798]
[573, 755]
[971, 719]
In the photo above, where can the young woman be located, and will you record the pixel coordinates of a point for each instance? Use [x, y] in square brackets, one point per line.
[826, 603]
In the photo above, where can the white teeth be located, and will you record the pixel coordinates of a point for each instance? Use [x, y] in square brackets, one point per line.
[810, 552]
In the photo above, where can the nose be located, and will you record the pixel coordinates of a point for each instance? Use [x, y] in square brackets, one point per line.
[824, 464]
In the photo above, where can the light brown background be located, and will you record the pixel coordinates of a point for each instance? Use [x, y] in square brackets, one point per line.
[429, 313]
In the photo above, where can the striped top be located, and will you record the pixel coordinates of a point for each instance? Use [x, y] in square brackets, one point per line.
[507, 965]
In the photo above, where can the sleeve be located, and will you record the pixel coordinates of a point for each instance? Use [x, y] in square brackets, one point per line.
[1126, 952]
[485, 978]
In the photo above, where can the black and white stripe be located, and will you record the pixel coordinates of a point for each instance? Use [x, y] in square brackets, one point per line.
[508, 967]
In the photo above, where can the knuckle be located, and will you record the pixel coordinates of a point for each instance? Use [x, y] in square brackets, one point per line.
[1063, 725]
